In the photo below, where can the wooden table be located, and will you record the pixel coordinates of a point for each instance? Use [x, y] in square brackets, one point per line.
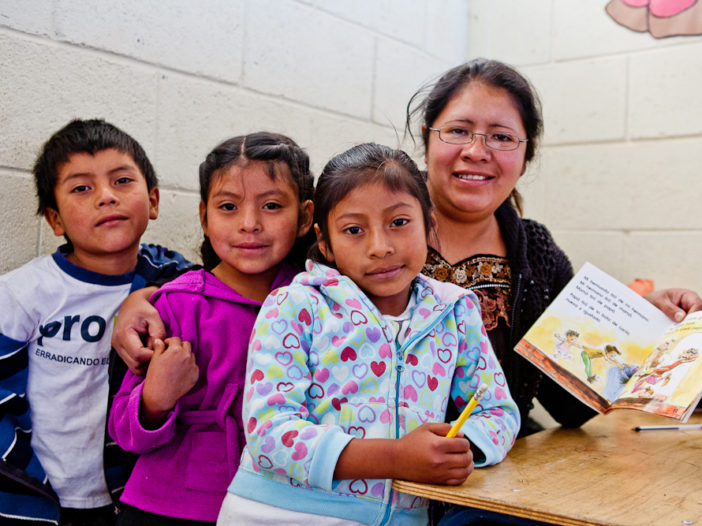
[604, 473]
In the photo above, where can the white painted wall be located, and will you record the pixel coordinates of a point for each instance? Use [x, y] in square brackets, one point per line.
[183, 75]
[619, 180]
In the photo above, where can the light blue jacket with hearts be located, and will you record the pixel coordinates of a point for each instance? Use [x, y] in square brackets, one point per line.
[324, 368]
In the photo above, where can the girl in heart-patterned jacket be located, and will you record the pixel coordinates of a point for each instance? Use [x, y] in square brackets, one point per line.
[351, 367]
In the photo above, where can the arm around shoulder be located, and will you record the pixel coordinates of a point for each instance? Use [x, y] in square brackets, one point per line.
[137, 318]
[143, 410]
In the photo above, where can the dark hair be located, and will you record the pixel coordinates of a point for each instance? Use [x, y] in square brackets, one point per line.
[611, 348]
[272, 148]
[84, 136]
[431, 100]
[363, 164]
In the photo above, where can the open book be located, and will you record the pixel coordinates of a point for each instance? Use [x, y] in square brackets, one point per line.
[613, 349]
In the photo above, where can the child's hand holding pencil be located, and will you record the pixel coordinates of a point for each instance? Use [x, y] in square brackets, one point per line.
[467, 411]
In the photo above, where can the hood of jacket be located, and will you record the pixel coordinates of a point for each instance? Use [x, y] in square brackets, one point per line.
[434, 295]
[204, 283]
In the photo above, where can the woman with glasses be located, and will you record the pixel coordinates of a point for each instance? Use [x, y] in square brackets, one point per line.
[481, 124]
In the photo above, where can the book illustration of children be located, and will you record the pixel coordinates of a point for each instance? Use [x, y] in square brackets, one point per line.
[677, 372]
[658, 353]
[351, 367]
[588, 354]
[617, 375]
[184, 417]
[567, 345]
[654, 360]
[651, 380]
[609, 354]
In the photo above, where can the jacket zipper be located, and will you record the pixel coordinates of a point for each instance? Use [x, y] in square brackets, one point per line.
[401, 367]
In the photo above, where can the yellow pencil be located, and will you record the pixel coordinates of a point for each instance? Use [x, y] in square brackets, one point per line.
[467, 411]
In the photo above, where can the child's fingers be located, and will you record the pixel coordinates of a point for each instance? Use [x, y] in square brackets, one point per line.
[180, 352]
[455, 445]
[173, 342]
[438, 428]
[460, 466]
[159, 346]
[458, 478]
[450, 469]
[132, 351]
[460, 473]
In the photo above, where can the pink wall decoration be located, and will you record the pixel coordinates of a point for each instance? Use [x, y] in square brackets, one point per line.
[661, 18]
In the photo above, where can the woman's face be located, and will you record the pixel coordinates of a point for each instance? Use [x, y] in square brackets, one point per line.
[468, 182]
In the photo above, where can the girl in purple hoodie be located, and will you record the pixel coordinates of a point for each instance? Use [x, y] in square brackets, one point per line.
[184, 416]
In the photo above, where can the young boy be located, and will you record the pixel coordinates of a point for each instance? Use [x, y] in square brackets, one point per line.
[97, 188]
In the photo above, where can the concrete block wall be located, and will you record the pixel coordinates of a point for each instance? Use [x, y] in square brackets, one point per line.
[619, 179]
[181, 76]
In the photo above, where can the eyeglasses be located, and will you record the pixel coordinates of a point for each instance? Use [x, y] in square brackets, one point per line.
[496, 141]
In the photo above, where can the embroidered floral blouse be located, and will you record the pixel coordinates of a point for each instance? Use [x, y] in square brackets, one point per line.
[489, 277]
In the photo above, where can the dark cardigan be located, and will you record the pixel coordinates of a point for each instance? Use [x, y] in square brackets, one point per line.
[539, 271]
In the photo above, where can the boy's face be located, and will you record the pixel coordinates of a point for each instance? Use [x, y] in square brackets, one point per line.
[104, 206]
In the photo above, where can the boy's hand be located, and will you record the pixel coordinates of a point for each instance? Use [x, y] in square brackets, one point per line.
[426, 455]
[172, 373]
[137, 317]
[675, 303]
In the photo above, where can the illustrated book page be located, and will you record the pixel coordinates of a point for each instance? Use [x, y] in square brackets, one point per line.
[613, 349]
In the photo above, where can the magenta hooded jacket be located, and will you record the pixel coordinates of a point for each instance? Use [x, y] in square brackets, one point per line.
[186, 465]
